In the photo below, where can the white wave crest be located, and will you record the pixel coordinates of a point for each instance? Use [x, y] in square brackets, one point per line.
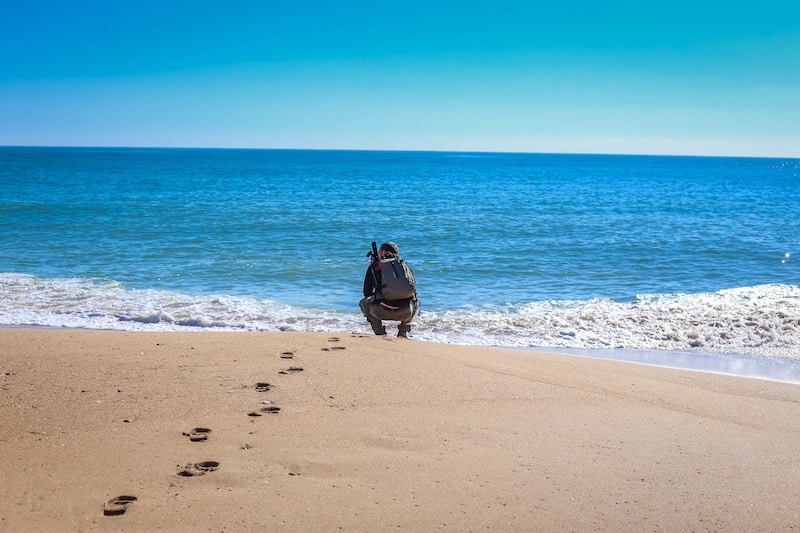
[758, 320]
[103, 304]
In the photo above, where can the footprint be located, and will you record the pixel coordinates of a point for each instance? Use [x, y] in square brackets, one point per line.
[207, 466]
[117, 506]
[333, 348]
[334, 339]
[263, 387]
[198, 469]
[269, 410]
[198, 434]
[287, 355]
[291, 370]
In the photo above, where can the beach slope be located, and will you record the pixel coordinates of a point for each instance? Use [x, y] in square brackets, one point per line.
[292, 431]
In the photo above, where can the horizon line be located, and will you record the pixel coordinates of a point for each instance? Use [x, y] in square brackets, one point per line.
[394, 150]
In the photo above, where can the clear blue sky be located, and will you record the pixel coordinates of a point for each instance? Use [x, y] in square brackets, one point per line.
[680, 77]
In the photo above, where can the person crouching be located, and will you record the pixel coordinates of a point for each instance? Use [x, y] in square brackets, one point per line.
[390, 291]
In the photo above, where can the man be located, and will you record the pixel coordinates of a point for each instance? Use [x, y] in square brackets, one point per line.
[387, 278]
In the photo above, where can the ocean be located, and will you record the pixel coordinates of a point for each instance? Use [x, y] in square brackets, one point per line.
[572, 252]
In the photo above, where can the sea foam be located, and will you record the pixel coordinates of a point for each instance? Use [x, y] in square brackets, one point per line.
[759, 320]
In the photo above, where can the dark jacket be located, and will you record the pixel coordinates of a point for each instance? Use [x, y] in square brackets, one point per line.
[372, 280]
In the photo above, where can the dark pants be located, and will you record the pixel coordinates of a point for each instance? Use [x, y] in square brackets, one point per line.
[377, 313]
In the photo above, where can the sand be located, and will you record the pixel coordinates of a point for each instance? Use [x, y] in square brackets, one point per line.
[364, 433]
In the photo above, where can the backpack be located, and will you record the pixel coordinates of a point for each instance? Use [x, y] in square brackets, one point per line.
[397, 279]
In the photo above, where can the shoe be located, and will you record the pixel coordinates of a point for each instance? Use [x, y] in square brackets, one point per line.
[377, 326]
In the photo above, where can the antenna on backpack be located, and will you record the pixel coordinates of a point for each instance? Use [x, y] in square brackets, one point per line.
[376, 265]
[374, 252]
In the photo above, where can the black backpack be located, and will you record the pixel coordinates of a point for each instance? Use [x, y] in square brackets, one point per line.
[397, 279]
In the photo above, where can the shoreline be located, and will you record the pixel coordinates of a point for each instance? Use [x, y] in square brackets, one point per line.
[780, 369]
[328, 432]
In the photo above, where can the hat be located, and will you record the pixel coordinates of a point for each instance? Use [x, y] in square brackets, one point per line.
[391, 247]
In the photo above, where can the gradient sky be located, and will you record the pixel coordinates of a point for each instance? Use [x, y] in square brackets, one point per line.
[679, 77]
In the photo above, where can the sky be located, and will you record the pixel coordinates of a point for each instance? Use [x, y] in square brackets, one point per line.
[574, 76]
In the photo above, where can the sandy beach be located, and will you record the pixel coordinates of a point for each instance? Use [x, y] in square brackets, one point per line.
[212, 431]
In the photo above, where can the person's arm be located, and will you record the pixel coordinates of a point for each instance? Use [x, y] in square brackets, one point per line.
[369, 282]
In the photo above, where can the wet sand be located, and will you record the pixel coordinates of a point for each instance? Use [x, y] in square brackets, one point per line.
[217, 431]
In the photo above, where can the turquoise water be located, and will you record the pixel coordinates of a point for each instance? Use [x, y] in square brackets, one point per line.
[581, 251]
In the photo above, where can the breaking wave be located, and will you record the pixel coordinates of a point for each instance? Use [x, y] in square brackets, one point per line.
[759, 320]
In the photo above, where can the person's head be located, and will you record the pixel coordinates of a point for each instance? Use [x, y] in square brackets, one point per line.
[388, 248]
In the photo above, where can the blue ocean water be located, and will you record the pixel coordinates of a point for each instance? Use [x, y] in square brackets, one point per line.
[571, 251]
